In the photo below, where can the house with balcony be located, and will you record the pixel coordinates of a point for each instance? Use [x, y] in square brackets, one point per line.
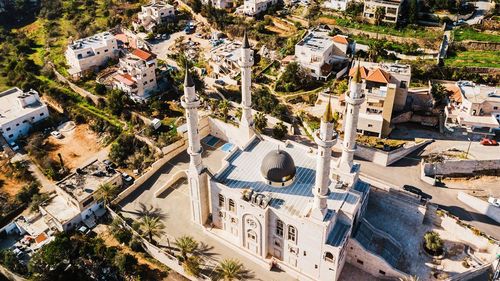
[136, 74]
[475, 108]
[255, 7]
[91, 53]
[219, 4]
[153, 14]
[320, 53]
[339, 5]
[392, 10]
[223, 60]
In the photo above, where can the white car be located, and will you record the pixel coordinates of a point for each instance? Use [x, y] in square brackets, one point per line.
[14, 146]
[494, 201]
[127, 178]
[56, 134]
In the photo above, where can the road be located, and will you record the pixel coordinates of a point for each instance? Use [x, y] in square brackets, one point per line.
[407, 171]
[482, 7]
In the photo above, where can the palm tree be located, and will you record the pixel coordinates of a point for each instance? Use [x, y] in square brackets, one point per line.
[379, 15]
[151, 226]
[106, 193]
[433, 241]
[213, 104]
[230, 269]
[375, 49]
[409, 278]
[192, 265]
[260, 121]
[187, 245]
[224, 108]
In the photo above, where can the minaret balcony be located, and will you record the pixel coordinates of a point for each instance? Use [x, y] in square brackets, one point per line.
[325, 143]
[190, 104]
[355, 101]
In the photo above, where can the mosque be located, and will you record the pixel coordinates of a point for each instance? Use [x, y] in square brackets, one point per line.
[283, 203]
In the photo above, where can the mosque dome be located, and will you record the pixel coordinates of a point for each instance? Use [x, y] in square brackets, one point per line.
[278, 167]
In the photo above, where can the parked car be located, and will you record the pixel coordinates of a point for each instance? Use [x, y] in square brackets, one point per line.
[127, 178]
[488, 142]
[198, 35]
[108, 163]
[412, 189]
[165, 36]
[56, 134]
[494, 201]
[14, 146]
[84, 230]
[220, 82]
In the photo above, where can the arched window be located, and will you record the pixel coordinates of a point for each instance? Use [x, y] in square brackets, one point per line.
[279, 228]
[251, 235]
[222, 200]
[292, 233]
[232, 206]
[329, 257]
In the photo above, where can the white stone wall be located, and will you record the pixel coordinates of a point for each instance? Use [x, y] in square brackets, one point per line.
[460, 167]
[481, 206]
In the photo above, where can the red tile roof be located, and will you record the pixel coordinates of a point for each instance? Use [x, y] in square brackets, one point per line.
[40, 238]
[142, 54]
[362, 69]
[125, 79]
[378, 75]
[340, 39]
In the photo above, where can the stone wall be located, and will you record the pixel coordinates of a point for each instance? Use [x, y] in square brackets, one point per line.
[479, 45]
[481, 206]
[370, 262]
[397, 201]
[386, 158]
[454, 168]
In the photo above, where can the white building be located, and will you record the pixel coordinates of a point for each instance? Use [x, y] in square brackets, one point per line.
[219, 4]
[18, 111]
[255, 7]
[476, 107]
[75, 200]
[280, 203]
[137, 74]
[88, 54]
[318, 52]
[392, 9]
[153, 14]
[223, 60]
[340, 5]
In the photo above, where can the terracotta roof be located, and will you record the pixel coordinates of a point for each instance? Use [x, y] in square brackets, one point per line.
[40, 238]
[362, 70]
[378, 75]
[456, 95]
[340, 39]
[125, 79]
[142, 54]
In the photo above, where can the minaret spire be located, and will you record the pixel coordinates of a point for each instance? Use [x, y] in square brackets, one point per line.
[326, 138]
[197, 179]
[354, 101]
[246, 62]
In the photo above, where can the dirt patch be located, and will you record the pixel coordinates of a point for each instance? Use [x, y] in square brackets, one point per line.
[481, 187]
[8, 185]
[76, 147]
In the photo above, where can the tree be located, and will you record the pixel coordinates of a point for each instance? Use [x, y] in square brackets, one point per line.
[230, 269]
[106, 193]
[37, 200]
[151, 226]
[117, 101]
[125, 262]
[413, 12]
[260, 122]
[187, 245]
[294, 77]
[433, 241]
[379, 15]
[224, 108]
[279, 130]
[341, 87]
[10, 260]
[439, 92]
[192, 265]
[376, 50]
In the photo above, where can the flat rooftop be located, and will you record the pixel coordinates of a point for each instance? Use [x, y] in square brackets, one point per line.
[317, 40]
[10, 107]
[59, 208]
[85, 181]
[158, 5]
[478, 93]
[229, 50]
[94, 41]
[243, 172]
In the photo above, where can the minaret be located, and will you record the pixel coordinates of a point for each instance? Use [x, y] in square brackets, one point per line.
[246, 63]
[353, 100]
[326, 138]
[197, 179]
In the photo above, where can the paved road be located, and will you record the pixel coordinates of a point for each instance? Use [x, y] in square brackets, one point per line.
[407, 171]
[482, 7]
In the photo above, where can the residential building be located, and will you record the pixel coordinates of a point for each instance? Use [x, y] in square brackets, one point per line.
[19, 111]
[255, 7]
[340, 5]
[392, 9]
[220, 4]
[223, 60]
[75, 200]
[474, 107]
[88, 54]
[153, 14]
[136, 74]
[321, 53]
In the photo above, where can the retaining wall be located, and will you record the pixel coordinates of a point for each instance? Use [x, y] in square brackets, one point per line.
[480, 243]
[479, 45]
[451, 168]
[10, 275]
[468, 275]
[481, 206]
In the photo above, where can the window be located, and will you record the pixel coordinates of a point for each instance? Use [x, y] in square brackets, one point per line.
[106, 50]
[10, 136]
[381, 272]
[495, 107]
[25, 121]
[232, 207]
[17, 125]
[279, 228]
[292, 233]
[329, 257]
[370, 125]
[402, 85]
[221, 200]
[8, 129]
[42, 114]
[360, 261]
[251, 235]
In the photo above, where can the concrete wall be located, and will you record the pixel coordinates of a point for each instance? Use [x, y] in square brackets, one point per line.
[371, 263]
[452, 168]
[468, 275]
[10, 275]
[386, 158]
[481, 206]
[396, 201]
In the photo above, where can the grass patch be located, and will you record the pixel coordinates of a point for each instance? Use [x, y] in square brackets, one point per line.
[378, 143]
[468, 33]
[475, 59]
